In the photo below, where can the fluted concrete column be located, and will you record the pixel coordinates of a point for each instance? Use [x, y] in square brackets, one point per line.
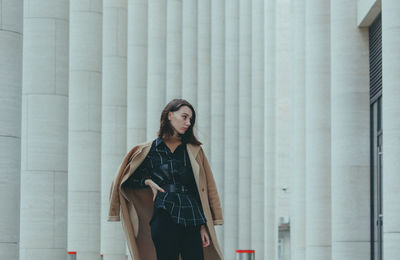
[137, 74]
[231, 128]
[350, 134]
[284, 116]
[11, 17]
[128, 254]
[391, 127]
[217, 141]
[156, 65]
[84, 142]
[257, 129]
[204, 73]
[297, 223]
[244, 124]
[270, 229]
[113, 119]
[318, 137]
[44, 136]
[189, 51]
[174, 50]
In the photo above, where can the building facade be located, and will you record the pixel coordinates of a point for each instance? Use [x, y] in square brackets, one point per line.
[297, 104]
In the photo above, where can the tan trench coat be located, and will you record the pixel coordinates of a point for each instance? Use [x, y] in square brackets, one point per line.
[136, 205]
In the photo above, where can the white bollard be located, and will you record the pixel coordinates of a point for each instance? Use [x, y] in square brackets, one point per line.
[245, 254]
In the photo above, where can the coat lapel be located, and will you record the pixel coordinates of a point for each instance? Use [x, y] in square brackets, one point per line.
[193, 151]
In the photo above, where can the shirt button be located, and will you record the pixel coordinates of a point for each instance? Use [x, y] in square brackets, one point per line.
[202, 189]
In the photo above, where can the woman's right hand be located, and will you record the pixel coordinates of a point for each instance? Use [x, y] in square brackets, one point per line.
[154, 187]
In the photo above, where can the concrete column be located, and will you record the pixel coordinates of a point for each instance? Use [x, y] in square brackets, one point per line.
[350, 134]
[244, 140]
[137, 74]
[113, 118]
[217, 98]
[270, 229]
[84, 153]
[174, 50]
[189, 51]
[318, 136]
[204, 73]
[257, 129]
[44, 135]
[11, 19]
[231, 128]
[156, 65]
[297, 223]
[284, 111]
[391, 127]
[128, 255]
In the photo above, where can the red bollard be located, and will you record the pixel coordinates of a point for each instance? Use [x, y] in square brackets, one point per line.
[245, 254]
[71, 255]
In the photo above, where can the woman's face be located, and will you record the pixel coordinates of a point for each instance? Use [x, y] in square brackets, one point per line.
[180, 120]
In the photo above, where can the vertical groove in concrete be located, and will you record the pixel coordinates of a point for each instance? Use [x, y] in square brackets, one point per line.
[244, 140]
[189, 51]
[257, 129]
[174, 50]
[217, 138]
[84, 141]
[137, 73]
[156, 65]
[270, 229]
[231, 128]
[391, 127]
[113, 118]
[11, 20]
[318, 125]
[297, 223]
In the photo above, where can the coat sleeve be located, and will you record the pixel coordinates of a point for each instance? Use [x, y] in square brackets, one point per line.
[136, 181]
[114, 211]
[115, 204]
[213, 197]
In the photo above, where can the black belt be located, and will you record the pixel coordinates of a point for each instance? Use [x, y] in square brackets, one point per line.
[175, 188]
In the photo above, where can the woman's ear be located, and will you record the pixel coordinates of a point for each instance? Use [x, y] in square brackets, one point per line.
[169, 115]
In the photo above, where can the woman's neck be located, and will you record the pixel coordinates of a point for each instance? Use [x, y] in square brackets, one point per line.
[173, 139]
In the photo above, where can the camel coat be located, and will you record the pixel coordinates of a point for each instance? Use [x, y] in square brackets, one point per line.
[135, 206]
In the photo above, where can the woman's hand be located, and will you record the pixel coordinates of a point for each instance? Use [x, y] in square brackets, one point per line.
[204, 236]
[154, 187]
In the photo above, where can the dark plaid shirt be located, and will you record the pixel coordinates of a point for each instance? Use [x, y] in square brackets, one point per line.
[165, 167]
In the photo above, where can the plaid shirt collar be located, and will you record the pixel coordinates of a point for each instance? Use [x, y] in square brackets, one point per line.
[160, 141]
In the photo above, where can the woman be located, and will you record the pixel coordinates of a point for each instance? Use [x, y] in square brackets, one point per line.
[167, 194]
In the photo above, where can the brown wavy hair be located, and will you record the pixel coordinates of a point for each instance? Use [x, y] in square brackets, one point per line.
[166, 129]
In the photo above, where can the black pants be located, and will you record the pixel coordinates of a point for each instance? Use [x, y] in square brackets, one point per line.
[171, 239]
